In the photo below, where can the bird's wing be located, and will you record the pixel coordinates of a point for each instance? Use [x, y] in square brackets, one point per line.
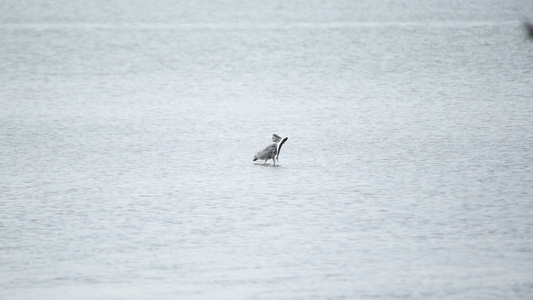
[265, 153]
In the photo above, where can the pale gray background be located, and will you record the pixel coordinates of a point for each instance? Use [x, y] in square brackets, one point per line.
[127, 130]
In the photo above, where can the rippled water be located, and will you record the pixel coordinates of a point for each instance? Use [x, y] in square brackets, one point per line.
[127, 133]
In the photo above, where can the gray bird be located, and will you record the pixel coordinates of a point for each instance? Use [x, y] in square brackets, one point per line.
[529, 29]
[271, 151]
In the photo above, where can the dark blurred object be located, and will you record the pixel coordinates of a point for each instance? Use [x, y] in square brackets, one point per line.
[529, 29]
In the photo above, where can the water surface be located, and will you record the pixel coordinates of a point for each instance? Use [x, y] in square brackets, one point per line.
[127, 133]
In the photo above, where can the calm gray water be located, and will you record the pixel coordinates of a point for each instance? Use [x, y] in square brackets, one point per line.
[127, 131]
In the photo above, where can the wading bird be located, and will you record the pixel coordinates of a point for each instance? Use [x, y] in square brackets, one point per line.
[529, 29]
[272, 151]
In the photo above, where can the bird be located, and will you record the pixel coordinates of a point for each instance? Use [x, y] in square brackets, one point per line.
[272, 151]
[529, 29]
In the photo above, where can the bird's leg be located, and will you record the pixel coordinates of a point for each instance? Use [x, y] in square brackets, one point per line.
[265, 162]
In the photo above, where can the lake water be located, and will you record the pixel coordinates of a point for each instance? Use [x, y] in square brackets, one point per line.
[127, 132]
